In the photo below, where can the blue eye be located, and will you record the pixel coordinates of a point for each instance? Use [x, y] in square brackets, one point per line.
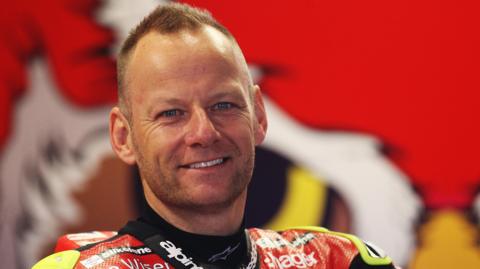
[171, 113]
[223, 106]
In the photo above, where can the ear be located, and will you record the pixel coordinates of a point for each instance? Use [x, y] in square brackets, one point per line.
[121, 136]
[261, 123]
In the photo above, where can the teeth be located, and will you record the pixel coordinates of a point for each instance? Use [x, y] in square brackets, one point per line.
[206, 164]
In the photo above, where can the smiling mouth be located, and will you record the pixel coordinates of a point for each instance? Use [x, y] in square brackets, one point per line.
[200, 165]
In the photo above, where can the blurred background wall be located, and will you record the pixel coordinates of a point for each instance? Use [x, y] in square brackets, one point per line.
[373, 110]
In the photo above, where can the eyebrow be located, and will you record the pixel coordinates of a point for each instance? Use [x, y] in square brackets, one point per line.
[226, 93]
[163, 100]
[231, 90]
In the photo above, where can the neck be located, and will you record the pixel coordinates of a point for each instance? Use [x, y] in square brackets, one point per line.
[222, 251]
[220, 221]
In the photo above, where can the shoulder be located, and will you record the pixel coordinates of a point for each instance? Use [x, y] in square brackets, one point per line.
[71, 248]
[63, 260]
[349, 251]
[368, 252]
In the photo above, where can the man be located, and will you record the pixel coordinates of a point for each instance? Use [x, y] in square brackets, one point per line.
[190, 117]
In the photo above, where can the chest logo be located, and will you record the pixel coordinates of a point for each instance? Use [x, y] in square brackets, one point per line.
[296, 260]
[224, 254]
[174, 252]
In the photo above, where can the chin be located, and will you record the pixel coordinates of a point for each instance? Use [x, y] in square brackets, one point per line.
[215, 200]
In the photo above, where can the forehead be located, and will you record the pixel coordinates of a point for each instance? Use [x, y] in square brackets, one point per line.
[183, 51]
[183, 43]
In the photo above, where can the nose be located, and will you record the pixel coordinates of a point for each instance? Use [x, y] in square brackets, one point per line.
[200, 130]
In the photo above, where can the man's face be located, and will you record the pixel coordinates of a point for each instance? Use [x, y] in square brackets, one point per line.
[193, 122]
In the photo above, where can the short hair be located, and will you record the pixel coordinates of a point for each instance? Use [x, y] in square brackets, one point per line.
[165, 19]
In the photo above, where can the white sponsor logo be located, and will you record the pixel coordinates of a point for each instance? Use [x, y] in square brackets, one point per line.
[137, 264]
[125, 249]
[100, 258]
[92, 261]
[265, 242]
[302, 240]
[174, 252]
[296, 260]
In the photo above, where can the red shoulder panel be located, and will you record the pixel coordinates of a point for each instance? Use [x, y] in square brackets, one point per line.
[74, 241]
[302, 249]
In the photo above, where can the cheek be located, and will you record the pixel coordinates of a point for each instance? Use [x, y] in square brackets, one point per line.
[164, 145]
[242, 134]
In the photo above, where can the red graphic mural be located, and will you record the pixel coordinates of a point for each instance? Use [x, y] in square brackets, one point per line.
[76, 46]
[405, 71]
